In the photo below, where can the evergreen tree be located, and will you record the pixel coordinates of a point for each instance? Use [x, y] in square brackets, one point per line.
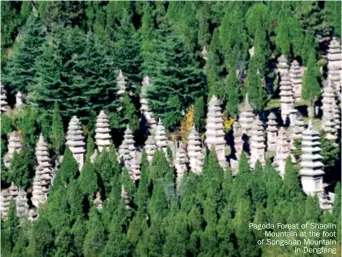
[309, 46]
[126, 49]
[311, 88]
[312, 210]
[75, 200]
[244, 236]
[291, 186]
[333, 13]
[232, 93]
[47, 87]
[64, 244]
[233, 37]
[88, 179]
[22, 168]
[21, 69]
[178, 74]
[90, 146]
[67, 171]
[256, 91]
[42, 239]
[213, 68]
[173, 113]
[95, 239]
[9, 231]
[57, 130]
[202, 15]
[79, 232]
[199, 116]
[28, 126]
[130, 114]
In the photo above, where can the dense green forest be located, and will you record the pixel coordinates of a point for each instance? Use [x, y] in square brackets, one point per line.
[65, 58]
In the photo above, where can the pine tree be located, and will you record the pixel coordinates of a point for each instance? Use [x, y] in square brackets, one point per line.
[57, 135]
[75, 200]
[28, 126]
[88, 179]
[291, 186]
[311, 88]
[173, 114]
[67, 171]
[126, 49]
[213, 65]
[130, 114]
[42, 238]
[9, 231]
[233, 37]
[64, 243]
[107, 167]
[256, 91]
[178, 74]
[312, 210]
[333, 13]
[90, 146]
[225, 233]
[202, 15]
[47, 87]
[232, 93]
[309, 46]
[199, 117]
[95, 239]
[79, 231]
[22, 168]
[245, 237]
[21, 69]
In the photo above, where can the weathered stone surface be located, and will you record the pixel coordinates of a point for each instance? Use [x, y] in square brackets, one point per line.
[181, 163]
[272, 131]
[246, 117]
[75, 141]
[283, 150]
[19, 99]
[286, 97]
[282, 65]
[121, 84]
[150, 148]
[195, 151]
[296, 80]
[3, 99]
[14, 145]
[334, 65]
[329, 109]
[160, 137]
[215, 130]
[145, 110]
[257, 143]
[102, 132]
[311, 171]
[97, 201]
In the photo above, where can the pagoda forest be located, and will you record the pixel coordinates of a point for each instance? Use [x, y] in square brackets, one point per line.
[188, 96]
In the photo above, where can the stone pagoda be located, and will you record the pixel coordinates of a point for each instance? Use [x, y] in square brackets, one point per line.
[283, 151]
[160, 137]
[181, 163]
[337, 115]
[42, 153]
[14, 145]
[41, 186]
[204, 53]
[246, 117]
[126, 148]
[296, 80]
[286, 97]
[126, 197]
[121, 84]
[75, 141]
[195, 152]
[134, 167]
[238, 141]
[21, 204]
[328, 108]
[257, 143]
[97, 201]
[272, 131]
[145, 110]
[298, 128]
[282, 65]
[102, 132]
[334, 64]
[215, 130]
[150, 148]
[5, 201]
[19, 99]
[3, 99]
[311, 171]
